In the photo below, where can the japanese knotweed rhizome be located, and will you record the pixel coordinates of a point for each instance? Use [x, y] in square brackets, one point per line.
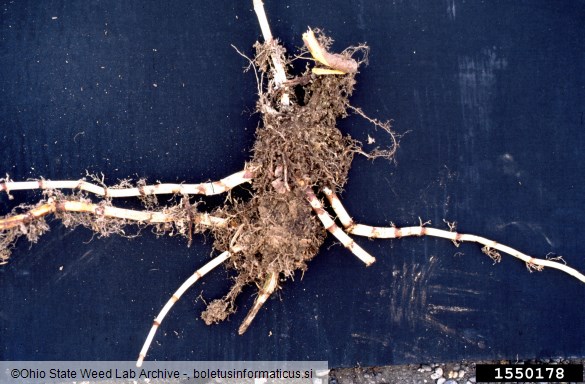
[298, 167]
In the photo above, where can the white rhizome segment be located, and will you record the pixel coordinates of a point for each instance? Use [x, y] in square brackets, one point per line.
[176, 296]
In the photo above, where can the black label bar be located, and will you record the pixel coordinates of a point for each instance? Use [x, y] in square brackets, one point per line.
[536, 373]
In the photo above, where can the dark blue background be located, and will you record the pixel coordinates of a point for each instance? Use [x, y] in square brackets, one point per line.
[489, 97]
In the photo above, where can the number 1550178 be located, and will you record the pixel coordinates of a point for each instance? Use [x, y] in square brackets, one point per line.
[545, 372]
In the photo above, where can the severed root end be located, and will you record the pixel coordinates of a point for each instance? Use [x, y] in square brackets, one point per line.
[269, 287]
[339, 64]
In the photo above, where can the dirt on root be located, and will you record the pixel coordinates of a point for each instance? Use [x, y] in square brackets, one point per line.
[297, 146]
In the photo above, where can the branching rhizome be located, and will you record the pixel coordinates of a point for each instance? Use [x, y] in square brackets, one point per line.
[300, 161]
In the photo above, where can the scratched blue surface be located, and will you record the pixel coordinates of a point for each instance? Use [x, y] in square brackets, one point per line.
[489, 99]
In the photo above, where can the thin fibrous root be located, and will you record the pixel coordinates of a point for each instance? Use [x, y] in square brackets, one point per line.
[175, 297]
[490, 247]
[150, 217]
[208, 188]
[268, 289]
[378, 152]
[330, 225]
